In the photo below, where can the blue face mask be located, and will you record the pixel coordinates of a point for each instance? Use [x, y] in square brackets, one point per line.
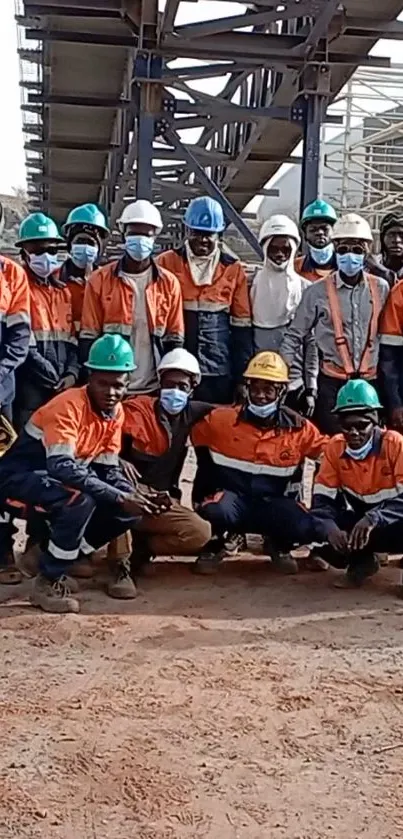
[350, 264]
[83, 255]
[321, 256]
[173, 400]
[360, 454]
[139, 247]
[43, 264]
[263, 411]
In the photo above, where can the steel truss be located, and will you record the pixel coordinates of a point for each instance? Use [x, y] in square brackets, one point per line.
[270, 63]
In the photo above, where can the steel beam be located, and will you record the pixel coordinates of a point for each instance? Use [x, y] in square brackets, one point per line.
[311, 150]
[214, 27]
[213, 190]
[70, 145]
[79, 101]
[326, 10]
[369, 28]
[168, 17]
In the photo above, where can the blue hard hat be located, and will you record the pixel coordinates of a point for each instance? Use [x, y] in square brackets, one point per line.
[205, 213]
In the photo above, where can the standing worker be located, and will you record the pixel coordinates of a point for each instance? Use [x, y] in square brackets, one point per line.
[391, 356]
[275, 295]
[85, 232]
[135, 297]
[391, 234]
[317, 222]
[51, 364]
[344, 311]
[14, 328]
[215, 301]
[358, 492]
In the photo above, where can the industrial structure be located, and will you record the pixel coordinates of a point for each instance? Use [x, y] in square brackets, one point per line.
[107, 105]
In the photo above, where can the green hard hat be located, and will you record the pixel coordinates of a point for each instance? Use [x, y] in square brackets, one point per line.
[319, 210]
[357, 395]
[38, 226]
[87, 214]
[112, 353]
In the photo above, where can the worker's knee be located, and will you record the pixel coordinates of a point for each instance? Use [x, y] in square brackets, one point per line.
[196, 534]
[188, 538]
[222, 511]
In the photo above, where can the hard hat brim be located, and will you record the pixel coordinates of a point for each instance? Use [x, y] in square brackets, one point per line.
[360, 408]
[104, 231]
[109, 369]
[39, 239]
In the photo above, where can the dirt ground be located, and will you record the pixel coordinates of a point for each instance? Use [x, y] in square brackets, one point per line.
[244, 706]
[248, 705]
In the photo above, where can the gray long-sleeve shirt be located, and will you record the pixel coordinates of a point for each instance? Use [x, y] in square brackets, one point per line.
[314, 313]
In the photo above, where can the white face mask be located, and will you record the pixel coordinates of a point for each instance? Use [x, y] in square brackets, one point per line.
[363, 452]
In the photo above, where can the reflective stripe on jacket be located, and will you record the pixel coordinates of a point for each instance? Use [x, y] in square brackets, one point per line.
[373, 486]
[109, 302]
[358, 325]
[256, 459]
[217, 316]
[14, 324]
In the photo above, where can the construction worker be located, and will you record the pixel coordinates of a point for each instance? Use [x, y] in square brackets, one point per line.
[275, 294]
[255, 452]
[391, 256]
[14, 329]
[344, 311]
[215, 300]
[66, 461]
[391, 355]
[358, 491]
[51, 364]
[135, 297]
[85, 232]
[155, 434]
[317, 222]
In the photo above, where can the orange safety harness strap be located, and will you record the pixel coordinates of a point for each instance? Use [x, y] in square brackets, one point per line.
[340, 339]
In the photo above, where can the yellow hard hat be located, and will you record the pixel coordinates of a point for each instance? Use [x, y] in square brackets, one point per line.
[269, 366]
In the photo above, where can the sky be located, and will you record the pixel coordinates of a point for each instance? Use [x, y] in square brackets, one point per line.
[12, 167]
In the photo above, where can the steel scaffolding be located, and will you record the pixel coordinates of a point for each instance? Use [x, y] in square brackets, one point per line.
[369, 155]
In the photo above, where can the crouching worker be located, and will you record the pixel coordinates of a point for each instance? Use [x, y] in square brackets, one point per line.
[358, 492]
[65, 462]
[155, 432]
[255, 451]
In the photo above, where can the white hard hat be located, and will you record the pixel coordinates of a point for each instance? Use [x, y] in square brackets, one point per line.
[180, 360]
[141, 212]
[352, 226]
[279, 225]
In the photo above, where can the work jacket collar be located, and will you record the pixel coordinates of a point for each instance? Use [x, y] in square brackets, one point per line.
[285, 419]
[225, 258]
[341, 284]
[118, 269]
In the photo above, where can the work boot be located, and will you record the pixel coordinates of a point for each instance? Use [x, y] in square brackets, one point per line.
[284, 562]
[209, 560]
[122, 586]
[356, 575]
[10, 575]
[53, 596]
[28, 562]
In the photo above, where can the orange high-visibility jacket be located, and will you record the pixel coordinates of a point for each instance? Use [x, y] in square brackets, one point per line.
[14, 324]
[74, 444]
[217, 316]
[391, 350]
[373, 486]
[252, 459]
[305, 267]
[109, 307]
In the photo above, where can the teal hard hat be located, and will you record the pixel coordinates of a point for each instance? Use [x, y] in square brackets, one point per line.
[37, 226]
[319, 211]
[111, 353]
[357, 395]
[87, 214]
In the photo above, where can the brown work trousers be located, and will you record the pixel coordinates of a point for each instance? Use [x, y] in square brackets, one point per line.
[179, 532]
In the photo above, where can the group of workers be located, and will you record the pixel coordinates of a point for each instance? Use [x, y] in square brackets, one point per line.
[109, 368]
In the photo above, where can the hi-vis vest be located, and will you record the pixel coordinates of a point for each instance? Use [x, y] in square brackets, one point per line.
[364, 371]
